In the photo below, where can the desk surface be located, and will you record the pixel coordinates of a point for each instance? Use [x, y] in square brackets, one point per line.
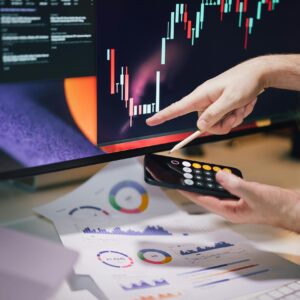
[261, 158]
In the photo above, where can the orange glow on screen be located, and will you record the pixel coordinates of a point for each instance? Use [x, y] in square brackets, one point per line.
[81, 97]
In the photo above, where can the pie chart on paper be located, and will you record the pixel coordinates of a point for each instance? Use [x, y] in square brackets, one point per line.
[129, 197]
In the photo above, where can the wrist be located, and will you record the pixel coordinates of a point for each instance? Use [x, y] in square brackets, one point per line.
[260, 68]
[266, 71]
[279, 71]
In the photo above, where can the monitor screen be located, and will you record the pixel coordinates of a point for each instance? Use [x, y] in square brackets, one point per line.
[55, 114]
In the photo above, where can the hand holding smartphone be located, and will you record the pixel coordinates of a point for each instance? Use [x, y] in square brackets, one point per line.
[187, 175]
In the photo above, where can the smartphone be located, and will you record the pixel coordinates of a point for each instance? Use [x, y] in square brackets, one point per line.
[192, 176]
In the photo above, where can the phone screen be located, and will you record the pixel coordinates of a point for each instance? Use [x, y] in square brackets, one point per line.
[164, 170]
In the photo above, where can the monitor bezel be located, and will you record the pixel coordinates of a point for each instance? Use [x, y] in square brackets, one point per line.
[106, 158]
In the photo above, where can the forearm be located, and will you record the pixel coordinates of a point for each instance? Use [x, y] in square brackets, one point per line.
[289, 211]
[281, 71]
[295, 218]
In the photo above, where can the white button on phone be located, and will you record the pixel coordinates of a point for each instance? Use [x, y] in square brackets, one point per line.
[188, 175]
[186, 164]
[189, 182]
[187, 170]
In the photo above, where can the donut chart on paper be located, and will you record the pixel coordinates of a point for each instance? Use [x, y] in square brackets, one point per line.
[126, 192]
[155, 256]
[115, 259]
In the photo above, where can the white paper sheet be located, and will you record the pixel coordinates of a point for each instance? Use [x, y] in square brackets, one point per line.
[31, 268]
[136, 244]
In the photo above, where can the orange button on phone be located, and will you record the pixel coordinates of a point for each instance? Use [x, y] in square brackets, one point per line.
[196, 166]
[216, 169]
[207, 167]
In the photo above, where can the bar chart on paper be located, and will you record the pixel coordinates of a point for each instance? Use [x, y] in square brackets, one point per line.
[199, 250]
[142, 284]
[148, 231]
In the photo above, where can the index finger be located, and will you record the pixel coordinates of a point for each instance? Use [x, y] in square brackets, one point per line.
[188, 104]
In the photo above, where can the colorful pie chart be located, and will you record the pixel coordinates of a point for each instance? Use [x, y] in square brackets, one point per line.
[155, 256]
[129, 197]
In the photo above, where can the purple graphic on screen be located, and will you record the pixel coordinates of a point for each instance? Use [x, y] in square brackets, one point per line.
[35, 126]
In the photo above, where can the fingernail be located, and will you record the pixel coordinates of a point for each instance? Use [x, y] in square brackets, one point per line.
[202, 125]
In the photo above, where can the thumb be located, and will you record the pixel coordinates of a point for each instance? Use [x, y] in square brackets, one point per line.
[215, 113]
[235, 185]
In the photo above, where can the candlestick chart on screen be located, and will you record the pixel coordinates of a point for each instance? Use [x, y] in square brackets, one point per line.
[152, 53]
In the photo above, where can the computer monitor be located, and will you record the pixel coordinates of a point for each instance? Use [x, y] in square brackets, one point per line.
[56, 114]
